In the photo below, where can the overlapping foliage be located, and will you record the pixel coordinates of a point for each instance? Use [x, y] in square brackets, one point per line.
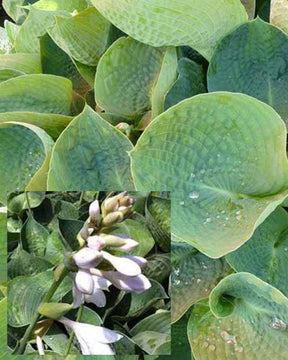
[111, 115]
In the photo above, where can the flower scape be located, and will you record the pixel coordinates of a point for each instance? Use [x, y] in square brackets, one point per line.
[63, 301]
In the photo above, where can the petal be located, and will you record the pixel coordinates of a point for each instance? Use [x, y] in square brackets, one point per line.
[78, 297]
[98, 298]
[84, 282]
[137, 259]
[96, 349]
[101, 283]
[137, 284]
[87, 258]
[96, 242]
[123, 265]
[94, 211]
[129, 246]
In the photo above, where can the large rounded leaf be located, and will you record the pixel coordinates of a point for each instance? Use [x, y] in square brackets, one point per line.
[84, 36]
[266, 253]
[26, 63]
[127, 76]
[36, 93]
[249, 322]
[260, 68]
[193, 276]
[214, 152]
[25, 153]
[198, 23]
[90, 154]
[279, 14]
[53, 124]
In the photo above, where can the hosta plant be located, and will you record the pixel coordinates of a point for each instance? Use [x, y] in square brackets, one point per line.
[87, 273]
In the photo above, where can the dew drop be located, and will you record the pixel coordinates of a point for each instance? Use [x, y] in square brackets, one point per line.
[278, 324]
[205, 345]
[198, 281]
[181, 203]
[194, 195]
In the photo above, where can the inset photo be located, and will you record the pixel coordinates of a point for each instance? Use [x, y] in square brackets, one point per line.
[88, 273]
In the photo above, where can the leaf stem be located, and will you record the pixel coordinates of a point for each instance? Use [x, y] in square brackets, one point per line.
[72, 334]
[23, 342]
[28, 203]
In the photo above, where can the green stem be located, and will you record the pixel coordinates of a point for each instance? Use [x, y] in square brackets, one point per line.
[28, 203]
[23, 342]
[72, 334]
[81, 199]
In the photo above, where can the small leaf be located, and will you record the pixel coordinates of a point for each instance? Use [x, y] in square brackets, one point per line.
[18, 203]
[34, 237]
[89, 161]
[54, 310]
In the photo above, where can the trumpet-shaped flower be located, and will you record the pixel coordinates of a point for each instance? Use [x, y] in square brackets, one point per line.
[137, 259]
[84, 282]
[123, 265]
[93, 340]
[96, 242]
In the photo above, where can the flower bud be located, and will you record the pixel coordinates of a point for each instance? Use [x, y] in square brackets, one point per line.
[126, 201]
[112, 218]
[125, 266]
[84, 282]
[122, 242]
[94, 212]
[87, 258]
[137, 259]
[110, 205]
[96, 242]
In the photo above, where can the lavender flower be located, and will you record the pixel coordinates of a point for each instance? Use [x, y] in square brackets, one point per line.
[93, 340]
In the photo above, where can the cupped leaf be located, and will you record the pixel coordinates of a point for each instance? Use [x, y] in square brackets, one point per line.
[190, 82]
[84, 36]
[53, 124]
[260, 68]
[279, 14]
[193, 277]
[250, 321]
[25, 294]
[36, 93]
[55, 61]
[221, 191]
[131, 77]
[6, 74]
[90, 154]
[26, 63]
[157, 22]
[250, 6]
[266, 253]
[25, 150]
[34, 237]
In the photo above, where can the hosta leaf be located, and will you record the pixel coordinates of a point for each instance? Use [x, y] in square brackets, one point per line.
[23, 263]
[279, 14]
[180, 348]
[25, 63]
[250, 6]
[55, 61]
[260, 67]
[6, 74]
[131, 77]
[25, 294]
[137, 231]
[56, 5]
[14, 10]
[194, 275]
[157, 22]
[3, 328]
[34, 26]
[74, 35]
[36, 93]
[266, 253]
[19, 202]
[3, 244]
[25, 150]
[159, 322]
[158, 267]
[83, 157]
[5, 43]
[221, 189]
[149, 341]
[55, 249]
[69, 230]
[34, 237]
[53, 124]
[190, 82]
[158, 214]
[249, 321]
